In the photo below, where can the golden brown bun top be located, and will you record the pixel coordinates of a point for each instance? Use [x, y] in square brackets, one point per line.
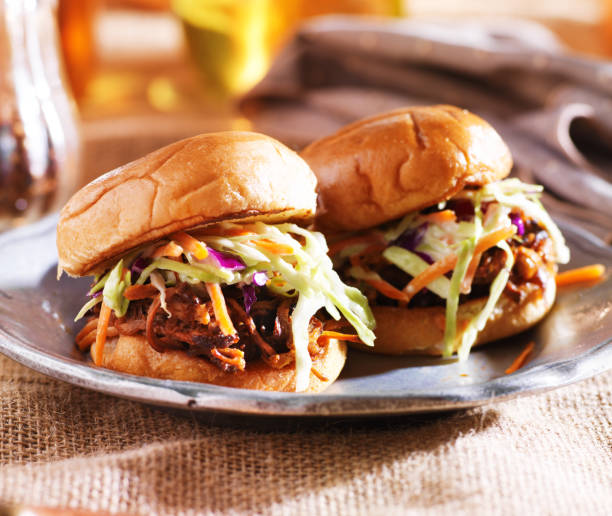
[193, 182]
[380, 168]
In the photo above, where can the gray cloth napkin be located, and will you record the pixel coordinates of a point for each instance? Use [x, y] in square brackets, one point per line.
[553, 109]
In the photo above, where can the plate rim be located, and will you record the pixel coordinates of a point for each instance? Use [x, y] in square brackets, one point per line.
[212, 398]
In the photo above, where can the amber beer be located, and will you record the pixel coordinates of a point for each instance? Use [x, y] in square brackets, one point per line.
[233, 41]
[76, 18]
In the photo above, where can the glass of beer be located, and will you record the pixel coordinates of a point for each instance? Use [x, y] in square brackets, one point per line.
[233, 41]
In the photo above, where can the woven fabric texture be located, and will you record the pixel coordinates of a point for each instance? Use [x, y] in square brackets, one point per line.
[64, 446]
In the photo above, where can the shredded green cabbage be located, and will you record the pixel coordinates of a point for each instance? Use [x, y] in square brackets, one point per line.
[99, 285]
[157, 280]
[461, 238]
[307, 272]
[478, 323]
[413, 264]
[514, 193]
[307, 305]
[88, 306]
[452, 303]
[116, 283]
[199, 272]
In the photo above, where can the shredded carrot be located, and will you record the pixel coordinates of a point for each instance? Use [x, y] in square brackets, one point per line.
[90, 326]
[188, 243]
[170, 250]
[84, 343]
[369, 238]
[220, 309]
[340, 336]
[231, 356]
[432, 272]
[494, 238]
[273, 247]
[87, 336]
[134, 292]
[466, 284]
[319, 375]
[581, 274]
[91, 323]
[97, 350]
[439, 217]
[521, 360]
[446, 264]
[386, 289]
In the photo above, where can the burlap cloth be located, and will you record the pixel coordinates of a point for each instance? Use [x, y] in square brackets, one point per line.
[65, 446]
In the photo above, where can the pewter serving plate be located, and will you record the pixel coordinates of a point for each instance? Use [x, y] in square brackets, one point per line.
[574, 342]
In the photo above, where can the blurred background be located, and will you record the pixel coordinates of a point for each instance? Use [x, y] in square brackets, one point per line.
[177, 66]
[139, 56]
[143, 73]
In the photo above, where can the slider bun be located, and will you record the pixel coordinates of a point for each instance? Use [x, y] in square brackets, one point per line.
[401, 331]
[380, 168]
[133, 355]
[194, 182]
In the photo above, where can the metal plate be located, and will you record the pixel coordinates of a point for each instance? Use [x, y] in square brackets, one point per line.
[574, 342]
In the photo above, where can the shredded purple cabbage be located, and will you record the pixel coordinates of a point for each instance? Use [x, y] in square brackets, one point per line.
[518, 222]
[139, 265]
[226, 260]
[260, 278]
[425, 256]
[248, 293]
[96, 294]
[411, 238]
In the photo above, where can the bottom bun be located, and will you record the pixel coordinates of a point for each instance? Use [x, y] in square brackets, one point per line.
[401, 331]
[133, 355]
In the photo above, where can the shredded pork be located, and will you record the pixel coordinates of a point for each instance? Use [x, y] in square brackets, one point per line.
[264, 333]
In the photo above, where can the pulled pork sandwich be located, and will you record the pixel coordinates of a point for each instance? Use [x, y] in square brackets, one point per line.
[449, 253]
[201, 272]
